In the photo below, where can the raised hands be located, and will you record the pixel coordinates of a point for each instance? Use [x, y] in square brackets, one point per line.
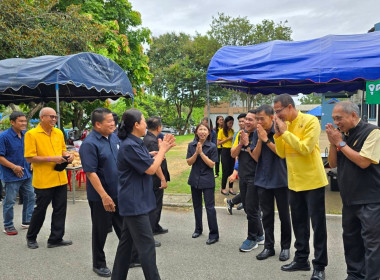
[198, 150]
[333, 134]
[261, 132]
[167, 143]
[244, 138]
[279, 126]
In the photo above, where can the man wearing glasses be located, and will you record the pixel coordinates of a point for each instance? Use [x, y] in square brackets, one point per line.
[44, 148]
[297, 140]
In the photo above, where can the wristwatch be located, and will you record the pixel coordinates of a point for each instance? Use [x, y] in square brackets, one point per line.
[267, 142]
[341, 145]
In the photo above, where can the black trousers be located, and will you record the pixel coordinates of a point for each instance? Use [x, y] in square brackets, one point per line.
[236, 199]
[155, 215]
[136, 232]
[209, 198]
[361, 240]
[228, 163]
[250, 199]
[267, 198]
[217, 164]
[58, 197]
[306, 206]
[102, 221]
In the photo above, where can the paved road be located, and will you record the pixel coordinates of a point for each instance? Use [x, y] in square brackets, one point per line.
[179, 257]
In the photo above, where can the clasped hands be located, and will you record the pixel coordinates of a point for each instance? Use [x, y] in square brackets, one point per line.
[333, 134]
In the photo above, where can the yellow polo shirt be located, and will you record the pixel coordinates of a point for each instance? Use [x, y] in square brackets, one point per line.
[222, 137]
[300, 146]
[39, 143]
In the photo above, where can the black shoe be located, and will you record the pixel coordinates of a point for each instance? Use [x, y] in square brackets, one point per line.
[59, 244]
[284, 255]
[133, 264]
[32, 244]
[161, 231]
[266, 253]
[229, 205]
[240, 206]
[295, 266]
[157, 243]
[318, 275]
[211, 241]
[196, 235]
[102, 272]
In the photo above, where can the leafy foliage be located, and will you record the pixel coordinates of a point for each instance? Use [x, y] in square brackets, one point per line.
[179, 64]
[32, 28]
[122, 38]
[311, 99]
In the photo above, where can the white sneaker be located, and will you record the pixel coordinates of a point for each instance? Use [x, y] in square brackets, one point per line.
[25, 225]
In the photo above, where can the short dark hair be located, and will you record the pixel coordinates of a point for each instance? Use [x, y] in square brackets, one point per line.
[285, 99]
[15, 115]
[268, 110]
[130, 117]
[153, 123]
[196, 130]
[252, 111]
[99, 114]
[243, 115]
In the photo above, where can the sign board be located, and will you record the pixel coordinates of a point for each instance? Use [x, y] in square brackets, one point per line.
[372, 95]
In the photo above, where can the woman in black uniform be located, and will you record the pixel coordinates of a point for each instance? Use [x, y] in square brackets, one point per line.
[136, 196]
[202, 155]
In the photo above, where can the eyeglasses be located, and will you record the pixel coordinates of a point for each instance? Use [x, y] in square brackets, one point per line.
[52, 116]
[279, 111]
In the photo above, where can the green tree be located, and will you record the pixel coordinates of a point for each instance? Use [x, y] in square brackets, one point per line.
[240, 31]
[122, 38]
[179, 64]
[32, 28]
[311, 99]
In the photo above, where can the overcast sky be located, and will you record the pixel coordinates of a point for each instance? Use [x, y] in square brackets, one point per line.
[308, 19]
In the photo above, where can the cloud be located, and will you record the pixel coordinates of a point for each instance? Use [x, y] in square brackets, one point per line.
[308, 19]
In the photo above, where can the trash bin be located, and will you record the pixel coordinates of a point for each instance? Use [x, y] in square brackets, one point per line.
[333, 179]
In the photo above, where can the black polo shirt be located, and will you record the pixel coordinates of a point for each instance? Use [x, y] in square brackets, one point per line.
[201, 175]
[271, 170]
[151, 142]
[247, 165]
[135, 189]
[99, 154]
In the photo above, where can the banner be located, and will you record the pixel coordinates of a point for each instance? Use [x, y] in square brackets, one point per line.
[372, 92]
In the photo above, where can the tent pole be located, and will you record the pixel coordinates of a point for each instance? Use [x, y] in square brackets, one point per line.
[57, 101]
[208, 104]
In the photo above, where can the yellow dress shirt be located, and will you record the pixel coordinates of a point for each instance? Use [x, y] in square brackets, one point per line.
[299, 145]
[39, 143]
[222, 137]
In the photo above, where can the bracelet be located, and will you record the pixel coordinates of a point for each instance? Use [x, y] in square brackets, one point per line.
[48, 159]
[14, 168]
[240, 145]
[201, 153]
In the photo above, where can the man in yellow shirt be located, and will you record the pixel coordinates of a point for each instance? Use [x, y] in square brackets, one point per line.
[44, 148]
[297, 140]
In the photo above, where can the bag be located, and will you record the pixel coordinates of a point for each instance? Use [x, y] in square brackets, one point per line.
[61, 166]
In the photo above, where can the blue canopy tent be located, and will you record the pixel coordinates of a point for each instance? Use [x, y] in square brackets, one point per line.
[83, 76]
[331, 63]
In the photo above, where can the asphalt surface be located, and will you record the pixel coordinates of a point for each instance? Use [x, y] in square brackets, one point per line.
[179, 257]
